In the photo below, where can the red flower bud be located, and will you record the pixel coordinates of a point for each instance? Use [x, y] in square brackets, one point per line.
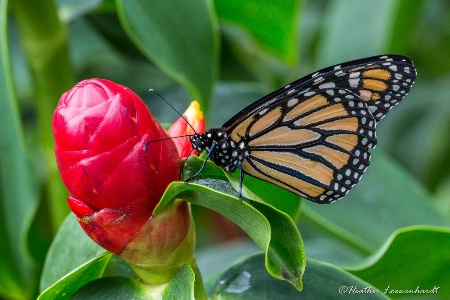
[100, 130]
[180, 127]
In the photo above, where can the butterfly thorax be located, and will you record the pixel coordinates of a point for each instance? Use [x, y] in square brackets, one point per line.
[225, 153]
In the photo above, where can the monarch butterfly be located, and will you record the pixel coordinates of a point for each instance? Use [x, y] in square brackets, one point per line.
[312, 136]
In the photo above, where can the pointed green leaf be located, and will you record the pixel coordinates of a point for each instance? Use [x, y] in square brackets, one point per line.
[183, 44]
[416, 257]
[272, 230]
[213, 194]
[286, 258]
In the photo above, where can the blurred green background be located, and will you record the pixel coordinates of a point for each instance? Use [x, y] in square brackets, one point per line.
[226, 54]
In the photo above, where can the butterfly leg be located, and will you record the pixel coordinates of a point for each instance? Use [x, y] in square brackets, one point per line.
[241, 179]
[204, 163]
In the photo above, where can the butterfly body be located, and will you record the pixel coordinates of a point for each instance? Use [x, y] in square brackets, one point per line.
[312, 137]
[223, 151]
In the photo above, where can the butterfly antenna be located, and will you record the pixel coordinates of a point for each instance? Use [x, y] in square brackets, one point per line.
[167, 102]
[164, 139]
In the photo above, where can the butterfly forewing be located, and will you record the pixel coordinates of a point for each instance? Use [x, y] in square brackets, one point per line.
[382, 81]
[312, 137]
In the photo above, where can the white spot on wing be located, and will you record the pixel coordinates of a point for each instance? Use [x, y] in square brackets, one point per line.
[327, 85]
[292, 102]
[353, 82]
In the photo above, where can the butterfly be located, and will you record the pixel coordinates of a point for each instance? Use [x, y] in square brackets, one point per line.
[312, 137]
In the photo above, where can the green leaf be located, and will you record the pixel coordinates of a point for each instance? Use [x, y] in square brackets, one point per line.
[248, 280]
[403, 26]
[117, 288]
[320, 245]
[217, 195]
[210, 170]
[386, 199]
[271, 25]
[286, 256]
[73, 266]
[272, 230]
[18, 184]
[236, 94]
[68, 285]
[284, 200]
[70, 10]
[417, 134]
[353, 30]
[182, 286]
[229, 253]
[70, 248]
[417, 256]
[184, 45]
[44, 43]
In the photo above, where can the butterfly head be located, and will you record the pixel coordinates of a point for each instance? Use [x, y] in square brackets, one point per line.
[198, 141]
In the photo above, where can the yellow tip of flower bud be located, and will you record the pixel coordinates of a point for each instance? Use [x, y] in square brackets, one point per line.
[194, 112]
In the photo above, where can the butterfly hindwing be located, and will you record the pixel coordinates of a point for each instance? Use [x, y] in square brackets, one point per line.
[318, 145]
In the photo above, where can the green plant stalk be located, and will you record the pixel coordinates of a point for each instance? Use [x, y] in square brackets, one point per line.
[199, 288]
[155, 275]
[156, 260]
[18, 196]
[44, 40]
[338, 233]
